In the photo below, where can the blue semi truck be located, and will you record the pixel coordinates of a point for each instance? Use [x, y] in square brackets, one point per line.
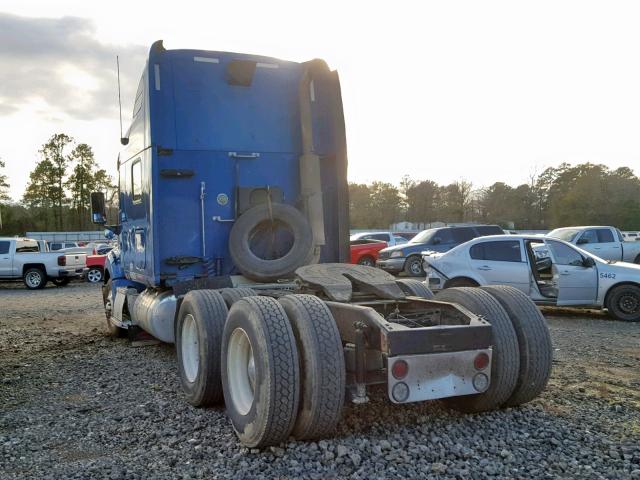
[232, 230]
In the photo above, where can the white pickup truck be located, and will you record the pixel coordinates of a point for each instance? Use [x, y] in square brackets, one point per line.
[604, 242]
[21, 258]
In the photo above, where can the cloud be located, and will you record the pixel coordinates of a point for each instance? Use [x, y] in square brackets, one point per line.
[60, 61]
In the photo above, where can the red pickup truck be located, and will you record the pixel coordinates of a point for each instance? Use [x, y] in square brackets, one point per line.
[365, 252]
[95, 268]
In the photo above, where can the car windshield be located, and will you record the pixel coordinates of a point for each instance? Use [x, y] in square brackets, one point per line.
[566, 234]
[424, 236]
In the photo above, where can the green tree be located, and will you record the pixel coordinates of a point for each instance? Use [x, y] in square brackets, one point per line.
[4, 184]
[38, 195]
[55, 152]
[82, 181]
[386, 204]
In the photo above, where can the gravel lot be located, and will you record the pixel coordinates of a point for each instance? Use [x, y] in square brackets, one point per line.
[76, 404]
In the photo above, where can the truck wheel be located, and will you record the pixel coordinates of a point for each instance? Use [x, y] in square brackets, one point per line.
[264, 223]
[260, 372]
[107, 301]
[34, 278]
[505, 363]
[623, 302]
[94, 275]
[199, 330]
[413, 267]
[414, 288]
[61, 282]
[232, 295]
[637, 259]
[322, 368]
[536, 350]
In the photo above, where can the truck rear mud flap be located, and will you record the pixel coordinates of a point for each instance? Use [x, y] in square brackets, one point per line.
[421, 349]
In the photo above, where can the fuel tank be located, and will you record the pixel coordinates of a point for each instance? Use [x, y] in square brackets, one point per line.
[154, 311]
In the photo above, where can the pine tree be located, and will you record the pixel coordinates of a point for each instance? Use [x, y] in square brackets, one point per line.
[82, 181]
[54, 152]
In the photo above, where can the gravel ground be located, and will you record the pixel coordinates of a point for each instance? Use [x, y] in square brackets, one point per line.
[76, 404]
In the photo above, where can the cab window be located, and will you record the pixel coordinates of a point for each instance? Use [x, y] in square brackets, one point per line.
[507, 251]
[136, 181]
[378, 236]
[4, 247]
[604, 235]
[27, 246]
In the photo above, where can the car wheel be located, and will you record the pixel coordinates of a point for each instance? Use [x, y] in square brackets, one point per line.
[367, 261]
[94, 275]
[623, 303]
[413, 267]
[34, 279]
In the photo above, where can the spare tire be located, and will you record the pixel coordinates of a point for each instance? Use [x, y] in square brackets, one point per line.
[281, 232]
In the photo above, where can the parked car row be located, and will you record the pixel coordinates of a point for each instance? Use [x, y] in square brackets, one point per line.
[37, 262]
[551, 270]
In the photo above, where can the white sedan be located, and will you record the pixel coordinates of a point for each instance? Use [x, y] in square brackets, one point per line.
[550, 271]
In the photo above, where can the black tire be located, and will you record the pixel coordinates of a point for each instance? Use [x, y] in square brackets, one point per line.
[413, 266]
[637, 259]
[414, 288]
[534, 341]
[94, 275]
[265, 270]
[34, 278]
[367, 261]
[262, 409]
[322, 368]
[61, 282]
[232, 295]
[202, 315]
[107, 301]
[460, 282]
[623, 302]
[505, 363]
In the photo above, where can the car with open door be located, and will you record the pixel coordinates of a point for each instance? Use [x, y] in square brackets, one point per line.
[550, 271]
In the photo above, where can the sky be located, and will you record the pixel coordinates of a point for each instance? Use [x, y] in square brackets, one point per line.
[482, 91]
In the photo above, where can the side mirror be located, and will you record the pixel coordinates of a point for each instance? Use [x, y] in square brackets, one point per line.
[582, 241]
[124, 141]
[588, 262]
[98, 211]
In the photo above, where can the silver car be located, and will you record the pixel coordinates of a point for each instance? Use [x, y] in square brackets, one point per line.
[550, 271]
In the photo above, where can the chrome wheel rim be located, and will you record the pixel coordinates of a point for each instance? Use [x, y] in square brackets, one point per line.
[94, 276]
[189, 348]
[34, 279]
[241, 371]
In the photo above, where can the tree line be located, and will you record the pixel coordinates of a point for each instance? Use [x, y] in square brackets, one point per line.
[584, 194]
[57, 196]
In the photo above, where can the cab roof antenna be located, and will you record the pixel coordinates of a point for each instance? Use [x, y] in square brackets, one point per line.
[123, 140]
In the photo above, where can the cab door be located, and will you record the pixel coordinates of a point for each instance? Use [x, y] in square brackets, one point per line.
[577, 283]
[6, 263]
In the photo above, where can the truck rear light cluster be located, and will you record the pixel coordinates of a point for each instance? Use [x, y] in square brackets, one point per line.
[481, 361]
[400, 369]
[62, 261]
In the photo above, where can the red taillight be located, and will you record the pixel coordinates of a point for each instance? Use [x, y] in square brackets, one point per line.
[399, 369]
[481, 361]
[62, 261]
